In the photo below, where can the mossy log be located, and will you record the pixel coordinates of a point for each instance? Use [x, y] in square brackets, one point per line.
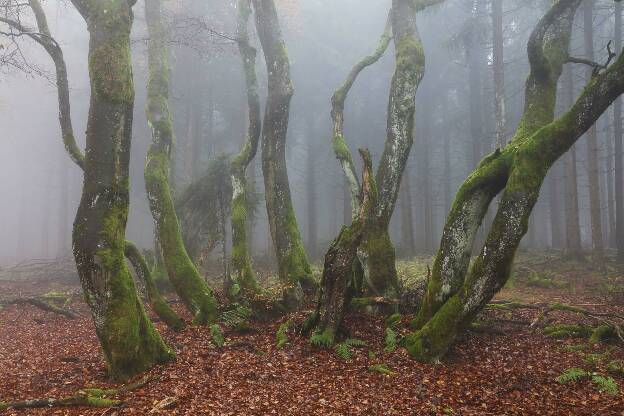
[41, 304]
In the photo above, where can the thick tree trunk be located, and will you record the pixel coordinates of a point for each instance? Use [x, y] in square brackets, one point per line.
[529, 160]
[407, 220]
[490, 177]
[241, 257]
[294, 268]
[129, 341]
[182, 273]
[617, 130]
[593, 175]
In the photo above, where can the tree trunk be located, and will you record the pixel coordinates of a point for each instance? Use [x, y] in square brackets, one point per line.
[490, 177]
[294, 268]
[337, 279]
[498, 64]
[573, 248]
[529, 158]
[407, 221]
[241, 257]
[595, 210]
[129, 341]
[617, 130]
[182, 273]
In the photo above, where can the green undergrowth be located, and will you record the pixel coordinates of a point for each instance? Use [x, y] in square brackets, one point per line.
[603, 384]
[344, 349]
[381, 369]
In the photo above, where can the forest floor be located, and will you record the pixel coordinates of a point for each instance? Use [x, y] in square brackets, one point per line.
[511, 370]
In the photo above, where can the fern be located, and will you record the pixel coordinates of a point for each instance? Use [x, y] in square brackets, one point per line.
[606, 385]
[381, 369]
[393, 319]
[343, 350]
[391, 340]
[322, 340]
[217, 337]
[281, 336]
[616, 367]
[574, 347]
[237, 318]
[572, 375]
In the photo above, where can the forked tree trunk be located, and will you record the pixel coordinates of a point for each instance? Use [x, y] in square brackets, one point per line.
[129, 341]
[294, 268]
[183, 274]
[490, 177]
[528, 158]
[241, 257]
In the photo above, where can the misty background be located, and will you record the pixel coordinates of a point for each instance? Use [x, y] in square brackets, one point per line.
[40, 187]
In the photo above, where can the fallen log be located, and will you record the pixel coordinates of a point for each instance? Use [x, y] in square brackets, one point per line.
[41, 304]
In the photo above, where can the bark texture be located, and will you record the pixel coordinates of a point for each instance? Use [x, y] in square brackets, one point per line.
[294, 268]
[241, 257]
[129, 341]
[183, 274]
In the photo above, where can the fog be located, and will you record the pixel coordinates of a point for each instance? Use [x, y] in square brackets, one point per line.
[40, 186]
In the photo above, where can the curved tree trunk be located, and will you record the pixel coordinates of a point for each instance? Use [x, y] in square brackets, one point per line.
[129, 341]
[490, 177]
[293, 265]
[182, 273]
[241, 257]
[157, 302]
[529, 159]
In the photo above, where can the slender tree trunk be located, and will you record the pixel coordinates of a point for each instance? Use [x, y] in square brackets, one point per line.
[129, 341]
[241, 256]
[609, 183]
[498, 63]
[311, 195]
[593, 174]
[407, 220]
[617, 130]
[294, 268]
[573, 248]
[182, 273]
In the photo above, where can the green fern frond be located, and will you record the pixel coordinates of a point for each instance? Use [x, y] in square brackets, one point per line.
[343, 351]
[572, 375]
[381, 369]
[391, 340]
[281, 336]
[217, 336]
[606, 385]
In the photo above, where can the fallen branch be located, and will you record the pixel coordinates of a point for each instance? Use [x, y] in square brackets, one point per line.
[88, 397]
[41, 304]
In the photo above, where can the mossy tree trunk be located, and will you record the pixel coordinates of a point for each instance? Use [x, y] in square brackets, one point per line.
[294, 268]
[129, 341]
[45, 39]
[377, 251]
[547, 51]
[340, 259]
[528, 157]
[192, 289]
[241, 256]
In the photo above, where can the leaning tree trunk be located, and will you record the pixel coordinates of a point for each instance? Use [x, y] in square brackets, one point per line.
[293, 265]
[489, 178]
[529, 158]
[129, 341]
[241, 257]
[339, 262]
[182, 273]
